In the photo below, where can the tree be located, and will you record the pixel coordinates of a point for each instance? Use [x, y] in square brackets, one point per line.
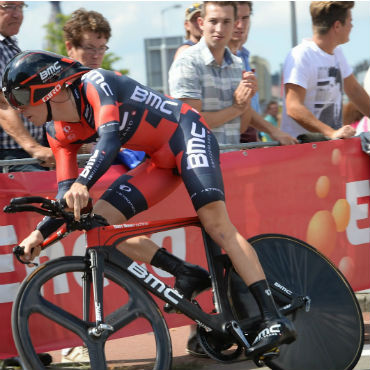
[55, 42]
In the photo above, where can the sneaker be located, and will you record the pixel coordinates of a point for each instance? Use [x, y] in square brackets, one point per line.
[77, 355]
[191, 280]
[272, 333]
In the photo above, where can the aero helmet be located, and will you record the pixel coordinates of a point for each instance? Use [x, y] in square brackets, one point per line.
[34, 77]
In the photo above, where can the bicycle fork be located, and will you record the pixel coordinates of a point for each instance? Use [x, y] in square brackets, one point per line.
[97, 269]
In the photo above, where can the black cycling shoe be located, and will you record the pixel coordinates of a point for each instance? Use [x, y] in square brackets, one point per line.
[191, 280]
[272, 334]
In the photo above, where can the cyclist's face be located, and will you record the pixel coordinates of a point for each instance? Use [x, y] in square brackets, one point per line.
[91, 50]
[36, 114]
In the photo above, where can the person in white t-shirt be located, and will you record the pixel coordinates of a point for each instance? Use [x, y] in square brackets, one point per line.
[316, 74]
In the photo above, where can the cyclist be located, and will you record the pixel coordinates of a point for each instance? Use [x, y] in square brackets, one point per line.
[87, 104]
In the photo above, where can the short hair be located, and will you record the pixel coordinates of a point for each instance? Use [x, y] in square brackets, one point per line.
[325, 13]
[85, 21]
[249, 3]
[220, 3]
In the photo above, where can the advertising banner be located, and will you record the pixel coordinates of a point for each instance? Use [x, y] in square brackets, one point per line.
[317, 192]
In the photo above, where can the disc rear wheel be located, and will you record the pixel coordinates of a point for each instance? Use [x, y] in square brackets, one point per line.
[329, 323]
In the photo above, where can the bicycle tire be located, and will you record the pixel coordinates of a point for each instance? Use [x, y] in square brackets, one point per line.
[29, 300]
[331, 333]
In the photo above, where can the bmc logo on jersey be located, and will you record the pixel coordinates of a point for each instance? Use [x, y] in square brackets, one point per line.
[51, 71]
[150, 98]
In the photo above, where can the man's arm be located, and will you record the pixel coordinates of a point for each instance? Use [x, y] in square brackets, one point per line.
[357, 94]
[12, 124]
[260, 124]
[217, 118]
[294, 100]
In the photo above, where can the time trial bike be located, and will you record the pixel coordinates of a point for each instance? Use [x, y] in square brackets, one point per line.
[306, 287]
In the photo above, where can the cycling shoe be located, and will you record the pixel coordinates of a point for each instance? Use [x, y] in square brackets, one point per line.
[271, 334]
[191, 280]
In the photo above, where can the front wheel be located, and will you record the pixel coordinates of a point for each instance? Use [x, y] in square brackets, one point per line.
[126, 306]
[329, 324]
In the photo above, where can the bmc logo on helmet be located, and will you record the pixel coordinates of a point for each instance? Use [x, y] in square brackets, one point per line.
[50, 71]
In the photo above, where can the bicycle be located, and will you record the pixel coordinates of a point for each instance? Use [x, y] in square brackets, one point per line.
[306, 286]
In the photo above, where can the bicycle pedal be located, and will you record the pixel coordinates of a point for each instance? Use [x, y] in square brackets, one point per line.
[273, 353]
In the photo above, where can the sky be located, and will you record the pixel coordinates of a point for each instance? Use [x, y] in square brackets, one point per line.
[133, 21]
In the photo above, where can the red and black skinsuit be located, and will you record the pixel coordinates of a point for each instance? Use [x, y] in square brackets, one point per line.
[117, 111]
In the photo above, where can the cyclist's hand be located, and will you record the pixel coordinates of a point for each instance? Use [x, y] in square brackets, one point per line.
[32, 246]
[283, 138]
[77, 197]
[344, 132]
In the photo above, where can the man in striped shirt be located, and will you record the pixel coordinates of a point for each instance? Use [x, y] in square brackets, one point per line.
[210, 78]
[19, 138]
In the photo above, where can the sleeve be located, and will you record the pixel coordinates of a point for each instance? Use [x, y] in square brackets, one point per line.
[345, 68]
[102, 96]
[296, 68]
[184, 80]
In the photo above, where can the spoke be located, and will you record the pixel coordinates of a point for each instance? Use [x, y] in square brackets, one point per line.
[123, 315]
[60, 316]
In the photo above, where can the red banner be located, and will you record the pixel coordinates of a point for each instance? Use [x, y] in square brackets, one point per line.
[317, 192]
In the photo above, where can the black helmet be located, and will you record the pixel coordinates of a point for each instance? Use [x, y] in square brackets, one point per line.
[34, 77]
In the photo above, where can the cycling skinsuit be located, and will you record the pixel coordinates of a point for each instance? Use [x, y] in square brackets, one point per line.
[119, 111]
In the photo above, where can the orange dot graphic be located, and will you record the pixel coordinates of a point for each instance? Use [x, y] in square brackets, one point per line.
[341, 213]
[322, 186]
[336, 156]
[321, 232]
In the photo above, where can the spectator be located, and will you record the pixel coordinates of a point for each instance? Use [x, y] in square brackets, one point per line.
[12, 124]
[19, 138]
[208, 77]
[86, 35]
[238, 39]
[367, 81]
[316, 73]
[272, 111]
[193, 32]
[354, 118]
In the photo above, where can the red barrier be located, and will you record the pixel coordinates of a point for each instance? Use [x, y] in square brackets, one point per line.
[316, 192]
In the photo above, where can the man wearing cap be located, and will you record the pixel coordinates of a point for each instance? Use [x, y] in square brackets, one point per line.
[193, 31]
[19, 138]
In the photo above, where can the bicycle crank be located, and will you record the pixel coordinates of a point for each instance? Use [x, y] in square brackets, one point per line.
[220, 347]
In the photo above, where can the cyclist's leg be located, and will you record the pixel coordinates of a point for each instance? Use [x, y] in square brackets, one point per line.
[134, 192]
[201, 173]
